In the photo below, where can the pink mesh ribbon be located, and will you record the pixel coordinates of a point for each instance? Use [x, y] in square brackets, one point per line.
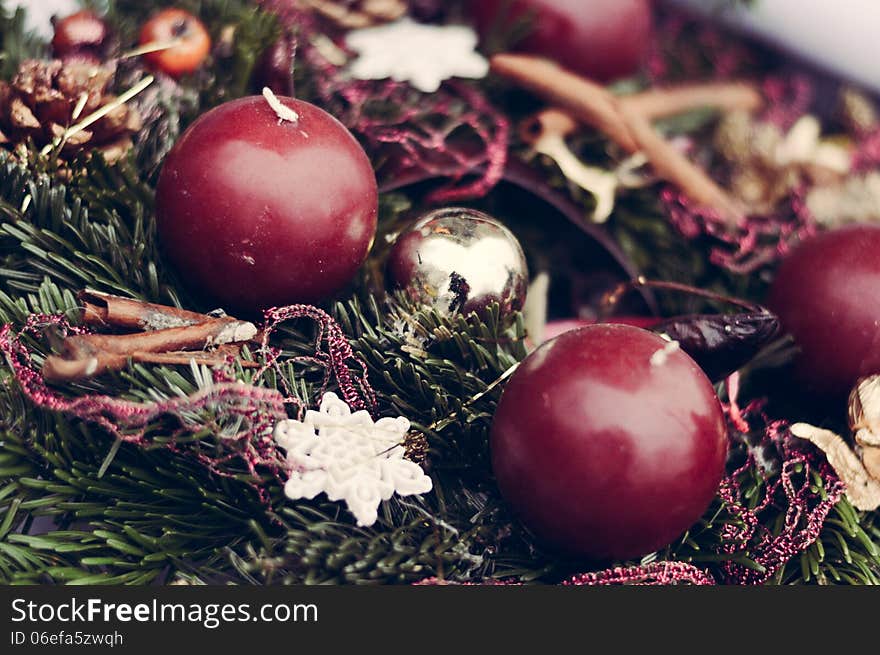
[791, 490]
[251, 410]
[454, 134]
[787, 99]
[656, 573]
[753, 243]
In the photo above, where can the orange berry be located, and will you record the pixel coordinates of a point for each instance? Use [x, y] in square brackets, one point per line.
[193, 41]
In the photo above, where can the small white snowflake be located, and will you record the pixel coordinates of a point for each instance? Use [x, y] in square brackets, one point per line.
[423, 55]
[349, 457]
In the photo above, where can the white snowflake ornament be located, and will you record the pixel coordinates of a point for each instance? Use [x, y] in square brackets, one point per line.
[423, 55]
[349, 457]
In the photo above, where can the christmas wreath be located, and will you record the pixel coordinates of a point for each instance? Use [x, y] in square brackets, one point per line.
[389, 291]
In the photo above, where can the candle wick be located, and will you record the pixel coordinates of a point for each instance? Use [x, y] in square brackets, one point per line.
[284, 112]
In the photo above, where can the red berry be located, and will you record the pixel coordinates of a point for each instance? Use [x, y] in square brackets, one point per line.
[80, 34]
[608, 442]
[193, 45]
[602, 39]
[257, 212]
[826, 295]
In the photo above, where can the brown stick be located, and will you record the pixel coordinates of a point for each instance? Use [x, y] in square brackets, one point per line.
[674, 167]
[596, 106]
[584, 99]
[103, 310]
[214, 332]
[654, 104]
[58, 369]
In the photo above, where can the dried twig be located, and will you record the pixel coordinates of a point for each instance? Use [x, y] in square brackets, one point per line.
[105, 310]
[659, 103]
[212, 333]
[59, 369]
[625, 122]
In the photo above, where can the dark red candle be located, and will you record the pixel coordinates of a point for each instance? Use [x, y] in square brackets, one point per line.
[827, 295]
[609, 442]
[255, 211]
[602, 39]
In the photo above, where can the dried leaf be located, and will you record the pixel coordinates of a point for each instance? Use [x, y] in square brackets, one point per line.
[862, 489]
[722, 343]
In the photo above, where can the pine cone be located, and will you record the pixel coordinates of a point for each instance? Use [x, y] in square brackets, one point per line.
[39, 103]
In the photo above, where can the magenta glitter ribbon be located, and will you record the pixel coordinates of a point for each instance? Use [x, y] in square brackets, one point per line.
[787, 100]
[792, 490]
[355, 389]
[754, 242]
[257, 408]
[656, 573]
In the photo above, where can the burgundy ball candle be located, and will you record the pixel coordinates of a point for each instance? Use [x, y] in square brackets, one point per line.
[827, 295]
[602, 39]
[608, 442]
[256, 212]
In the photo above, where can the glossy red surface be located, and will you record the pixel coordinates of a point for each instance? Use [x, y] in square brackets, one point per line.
[188, 54]
[827, 295]
[603, 453]
[602, 39]
[554, 328]
[255, 212]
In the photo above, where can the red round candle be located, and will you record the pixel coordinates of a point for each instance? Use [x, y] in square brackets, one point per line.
[609, 442]
[255, 211]
[826, 295]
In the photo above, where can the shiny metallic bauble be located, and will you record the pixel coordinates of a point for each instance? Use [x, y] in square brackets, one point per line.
[460, 260]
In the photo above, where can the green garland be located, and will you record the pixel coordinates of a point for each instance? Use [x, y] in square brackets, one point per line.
[123, 514]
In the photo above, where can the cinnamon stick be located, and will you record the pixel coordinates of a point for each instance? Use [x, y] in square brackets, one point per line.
[214, 332]
[58, 369]
[658, 103]
[106, 310]
[674, 167]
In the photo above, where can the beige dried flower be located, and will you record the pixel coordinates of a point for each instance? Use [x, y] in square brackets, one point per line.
[858, 466]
